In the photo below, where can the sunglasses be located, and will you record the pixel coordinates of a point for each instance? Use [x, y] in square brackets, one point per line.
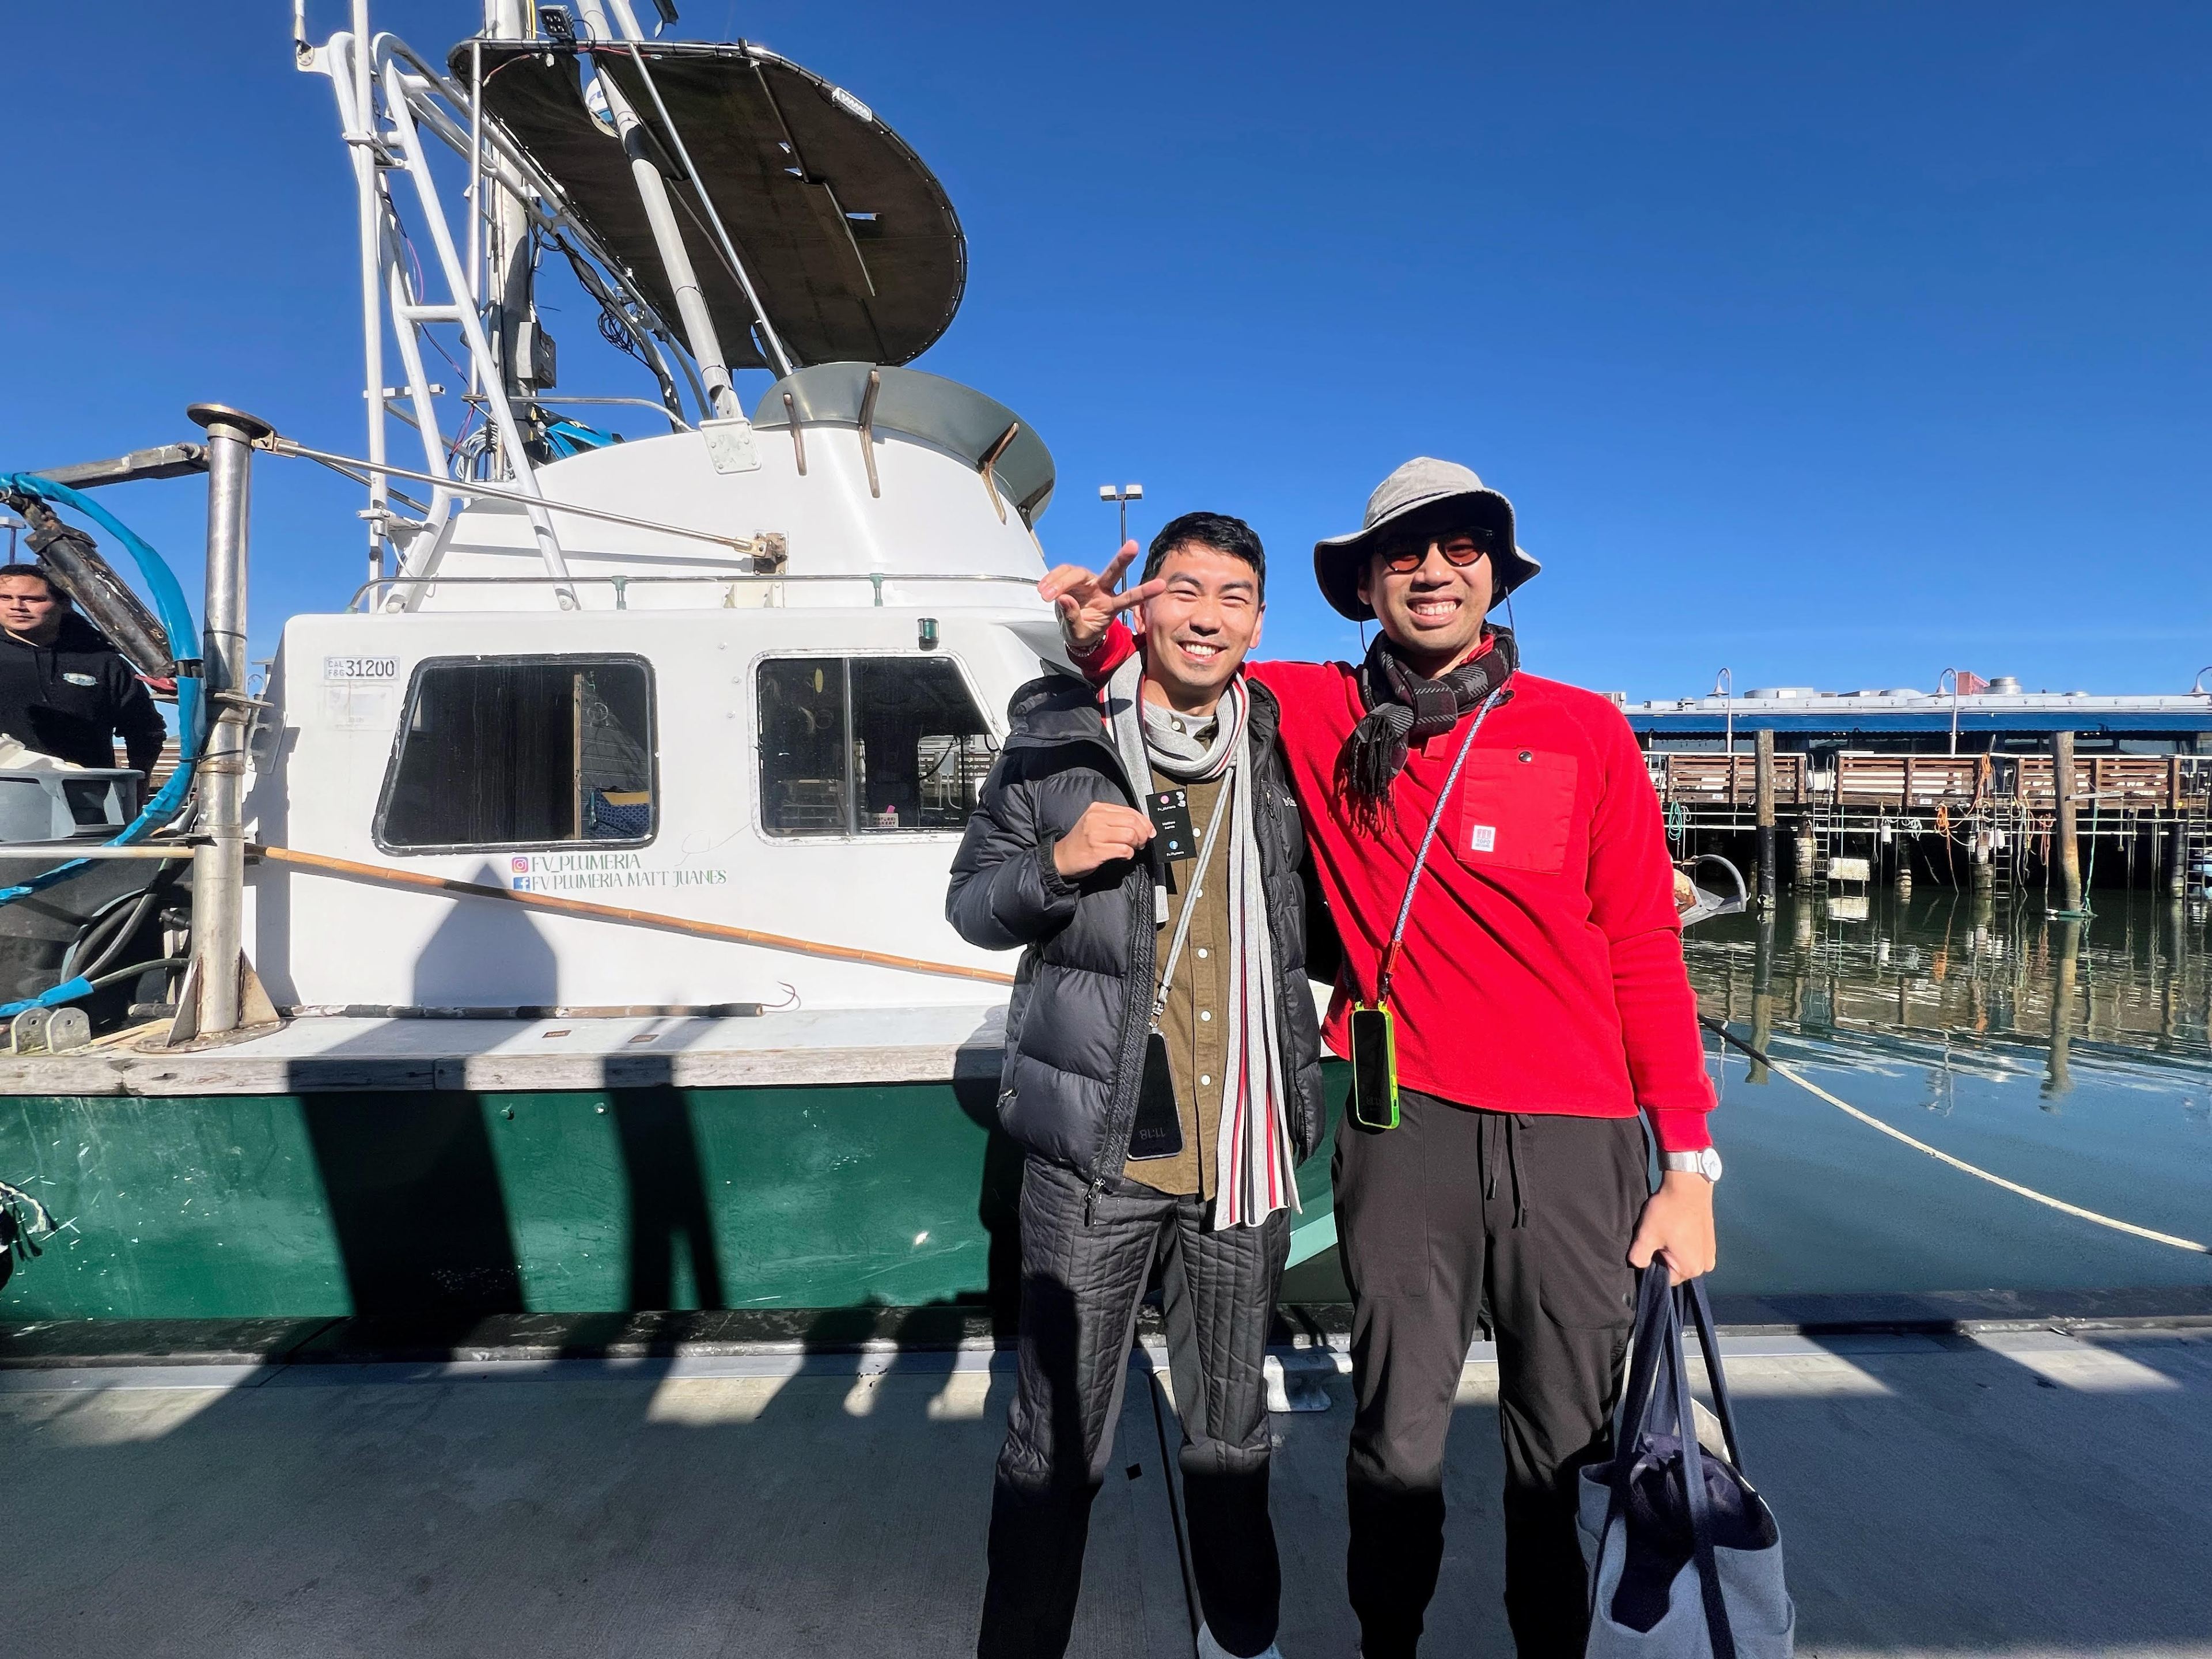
[1461, 549]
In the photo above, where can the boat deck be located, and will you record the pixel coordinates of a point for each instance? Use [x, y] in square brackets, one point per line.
[2009, 1492]
[325, 1054]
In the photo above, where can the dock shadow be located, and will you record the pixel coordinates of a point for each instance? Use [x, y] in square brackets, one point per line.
[868, 1349]
[416, 1206]
[670, 1222]
[999, 1191]
[417, 1210]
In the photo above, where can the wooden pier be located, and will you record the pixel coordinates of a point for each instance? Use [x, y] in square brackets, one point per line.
[1993, 820]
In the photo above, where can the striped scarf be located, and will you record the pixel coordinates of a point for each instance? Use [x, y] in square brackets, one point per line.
[1253, 1161]
[1404, 708]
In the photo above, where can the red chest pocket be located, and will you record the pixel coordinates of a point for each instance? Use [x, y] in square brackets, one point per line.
[1517, 807]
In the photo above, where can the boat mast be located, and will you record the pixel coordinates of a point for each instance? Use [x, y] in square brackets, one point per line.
[509, 274]
[363, 65]
[363, 148]
[732, 260]
[667, 238]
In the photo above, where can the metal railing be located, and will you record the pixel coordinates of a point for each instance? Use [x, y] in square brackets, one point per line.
[622, 584]
[554, 400]
[469, 490]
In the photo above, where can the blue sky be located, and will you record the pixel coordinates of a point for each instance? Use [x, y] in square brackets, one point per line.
[1834, 343]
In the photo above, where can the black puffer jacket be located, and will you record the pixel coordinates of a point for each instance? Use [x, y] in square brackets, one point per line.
[1075, 1032]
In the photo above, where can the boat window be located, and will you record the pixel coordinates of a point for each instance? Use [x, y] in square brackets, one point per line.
[868, 745]
[522, 751]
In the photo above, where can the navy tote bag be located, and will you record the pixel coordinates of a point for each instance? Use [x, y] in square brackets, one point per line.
[1685, 1558]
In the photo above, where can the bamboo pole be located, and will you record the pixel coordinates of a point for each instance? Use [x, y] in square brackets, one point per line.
[585, 909]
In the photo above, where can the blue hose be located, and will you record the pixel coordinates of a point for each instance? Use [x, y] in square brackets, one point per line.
[184, 633]
[68, 991]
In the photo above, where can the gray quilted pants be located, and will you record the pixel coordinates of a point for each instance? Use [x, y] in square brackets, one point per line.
[1083, 1276]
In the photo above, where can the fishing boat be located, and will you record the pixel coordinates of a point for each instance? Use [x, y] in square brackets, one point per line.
[567, 913]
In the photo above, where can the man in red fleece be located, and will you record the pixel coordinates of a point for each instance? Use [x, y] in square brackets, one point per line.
[1542, 1016]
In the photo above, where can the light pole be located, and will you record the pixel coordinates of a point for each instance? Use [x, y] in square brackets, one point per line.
[1122, 497]
[1724, 688]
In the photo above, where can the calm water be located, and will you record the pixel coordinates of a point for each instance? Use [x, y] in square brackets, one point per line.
[2073, 1058]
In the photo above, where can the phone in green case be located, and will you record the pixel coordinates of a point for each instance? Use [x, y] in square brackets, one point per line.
[1374, 1069]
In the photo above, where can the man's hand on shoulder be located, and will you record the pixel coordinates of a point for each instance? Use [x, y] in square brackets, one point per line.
[1087, 602]
[1104, 833]
[1678, 1223]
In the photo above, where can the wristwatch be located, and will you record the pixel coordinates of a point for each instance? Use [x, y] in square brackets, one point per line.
[1706, 1163]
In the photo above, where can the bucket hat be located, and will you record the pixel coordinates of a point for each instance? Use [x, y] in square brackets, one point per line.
[1423, 494]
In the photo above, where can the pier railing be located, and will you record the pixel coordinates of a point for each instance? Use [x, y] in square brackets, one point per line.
[2171, 782]
[2168, 781]
[1910, 779]
[1701, 779]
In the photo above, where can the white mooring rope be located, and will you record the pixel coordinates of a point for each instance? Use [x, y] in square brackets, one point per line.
[1980, 1174]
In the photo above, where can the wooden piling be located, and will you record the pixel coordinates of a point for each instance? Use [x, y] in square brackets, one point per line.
[2065, 832]
[1763, 787]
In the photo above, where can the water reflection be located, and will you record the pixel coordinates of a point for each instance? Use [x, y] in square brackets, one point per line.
[2136, 978]
[2073, 1057]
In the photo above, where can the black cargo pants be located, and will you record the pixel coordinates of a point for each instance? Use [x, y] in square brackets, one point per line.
[1085, 1263]
[1455, 1212]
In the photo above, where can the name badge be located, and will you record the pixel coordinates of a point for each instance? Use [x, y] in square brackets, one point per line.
[1170, 811]
[80, 679]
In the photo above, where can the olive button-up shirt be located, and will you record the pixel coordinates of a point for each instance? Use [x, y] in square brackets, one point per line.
[1195, 1022]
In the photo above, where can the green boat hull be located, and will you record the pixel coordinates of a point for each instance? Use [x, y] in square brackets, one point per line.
[447, 1203]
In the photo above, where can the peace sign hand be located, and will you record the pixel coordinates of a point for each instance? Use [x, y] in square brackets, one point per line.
[1087, 601]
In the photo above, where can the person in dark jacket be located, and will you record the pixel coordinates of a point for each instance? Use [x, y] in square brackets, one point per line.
[65, 690]
[1163, 1072]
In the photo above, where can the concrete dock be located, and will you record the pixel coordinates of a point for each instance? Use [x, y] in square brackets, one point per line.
[2024, 1493]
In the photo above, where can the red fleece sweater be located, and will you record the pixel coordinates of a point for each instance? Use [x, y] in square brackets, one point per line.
[1542, 967]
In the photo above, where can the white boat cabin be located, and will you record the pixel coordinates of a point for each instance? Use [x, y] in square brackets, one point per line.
[795, 752]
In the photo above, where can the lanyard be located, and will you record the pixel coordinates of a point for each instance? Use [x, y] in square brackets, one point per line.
[1421, 859]
[1197, 891]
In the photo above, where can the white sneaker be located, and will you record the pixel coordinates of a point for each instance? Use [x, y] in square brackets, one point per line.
[1210, 1649]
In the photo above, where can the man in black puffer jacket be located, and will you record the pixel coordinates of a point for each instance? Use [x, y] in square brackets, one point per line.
[1163, 1071]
